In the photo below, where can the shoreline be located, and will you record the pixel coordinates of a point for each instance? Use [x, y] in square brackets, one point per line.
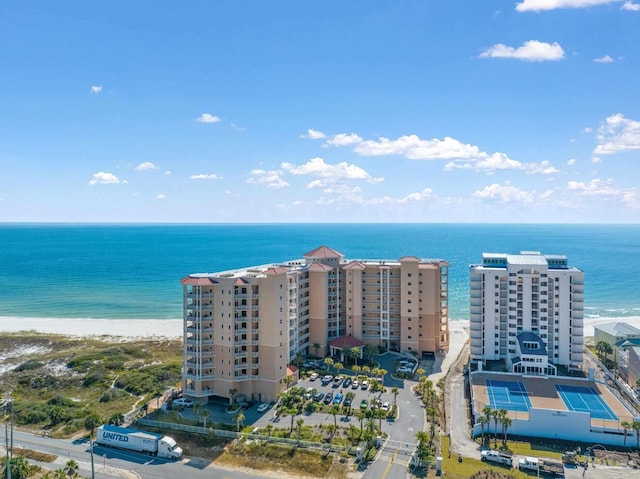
[173, 328]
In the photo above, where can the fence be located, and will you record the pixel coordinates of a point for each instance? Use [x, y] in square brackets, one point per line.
[319, 446]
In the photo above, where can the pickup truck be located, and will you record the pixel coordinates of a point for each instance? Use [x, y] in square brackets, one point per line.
[544, 466]
[497, 457]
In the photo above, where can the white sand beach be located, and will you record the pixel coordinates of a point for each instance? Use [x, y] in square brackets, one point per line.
[172, 328]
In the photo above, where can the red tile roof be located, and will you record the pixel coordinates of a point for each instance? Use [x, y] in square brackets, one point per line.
[291, 369]
[197, 281]
[413, 259]
[323, 252]
[276, 270]
[320, 267]
[354, 265]
[344, 342]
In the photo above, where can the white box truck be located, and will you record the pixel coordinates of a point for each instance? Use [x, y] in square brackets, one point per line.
[138, 441]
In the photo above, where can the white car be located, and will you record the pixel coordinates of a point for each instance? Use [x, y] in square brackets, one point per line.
[385, 406]
[313, 376]
[183, 402]
[263, 407]
[405, 370]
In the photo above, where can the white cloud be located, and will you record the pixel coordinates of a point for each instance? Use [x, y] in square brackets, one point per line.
[531, 51]
[538, 5]
[588, 130]
[543, 168]
[237, 128]
[604, 59]
[161, 196]
[205, 176]
[96, 89]
[500, 161]
[617, 134]
[632, 7]
[208, 118]
[415, 148]
[571, 162]
[605, 190]
[329, 174]
[344, 139]
[504, 194]
[103, 178]
[271, 178]
[596, 160]
[147, 165]
[312, 134]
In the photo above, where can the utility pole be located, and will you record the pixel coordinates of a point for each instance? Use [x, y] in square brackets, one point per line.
[93, 473]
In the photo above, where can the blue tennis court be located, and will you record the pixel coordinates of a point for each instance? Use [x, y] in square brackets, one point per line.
[585, 399]
[509, 395]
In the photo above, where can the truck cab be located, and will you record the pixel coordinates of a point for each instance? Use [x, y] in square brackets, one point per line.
[167, 447]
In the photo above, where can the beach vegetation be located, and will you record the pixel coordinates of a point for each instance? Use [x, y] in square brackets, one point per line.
[56, 382]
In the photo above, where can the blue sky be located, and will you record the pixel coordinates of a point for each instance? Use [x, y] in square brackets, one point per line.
[333, 111]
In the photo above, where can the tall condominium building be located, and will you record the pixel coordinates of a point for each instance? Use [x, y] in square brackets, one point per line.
[527, 309]
[243, 328]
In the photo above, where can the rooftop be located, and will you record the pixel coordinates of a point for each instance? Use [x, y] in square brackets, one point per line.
[618, 329]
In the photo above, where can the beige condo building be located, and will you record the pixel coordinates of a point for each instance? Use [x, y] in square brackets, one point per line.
[243, 328]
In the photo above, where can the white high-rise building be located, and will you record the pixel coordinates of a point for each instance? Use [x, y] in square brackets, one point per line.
[527, 309]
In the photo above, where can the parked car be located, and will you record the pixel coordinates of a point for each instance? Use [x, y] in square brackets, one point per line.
[346, 383]
[328, 398]
[337, 381]
[364, 404]
[338, 398]
[318, 397]
[347, 402]
[356, 384]
[263, 407]
[309, 363]
[309, 393]
[246, 404]
[327, 379]
[313, 376]
[183, 402]
[405, 370]
[365, 385]
[385, 406]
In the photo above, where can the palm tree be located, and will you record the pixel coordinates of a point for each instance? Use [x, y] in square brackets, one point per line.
[506, 422]
[360, 415]
[59, 474]
[420, 371]
[204, 414]
[483, 421]
[232, 395]
[495, 414]
[335, 410]
[486, 411]
[350, 396]
[293, 412]
[299, 424]
[269, 429]
[366, 370]
[395, 391]
[635, 425]
[355, 353]
[239, 419]
[370, 350]
[71, 468]
[380, 415]
[338, 366]
[316, 346]
[288, 379]
[422, 437]
[603, 348]
[626, 425]
[328, 362]
[20, 468]
[356, 369]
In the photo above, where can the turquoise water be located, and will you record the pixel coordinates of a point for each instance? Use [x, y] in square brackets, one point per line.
[133, 271]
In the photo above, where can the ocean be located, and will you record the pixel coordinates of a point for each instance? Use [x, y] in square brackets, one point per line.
[129, 271]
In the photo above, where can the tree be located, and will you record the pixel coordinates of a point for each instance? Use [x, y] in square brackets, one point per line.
[91, 421]
[233, 392]
[338, 366]
[356, 369]
[603, 348]
[635, 425]
[486, 411]
[335, 410]
[316, 346]
[204, 414]
[395, 391]
[360, 415]
[420, 372]
[299, 424]
[239, 419]
[269, 429]
[626, 425]
[20, 468]
[495, 414]
[350, 396]
[366, 370]
[483, 421]
[328, 362]
[506, 422]
[370, 350]
[423, 451]
[71, 468]
[380, 415]
[502, 414]
[288, 379]
[354, 352]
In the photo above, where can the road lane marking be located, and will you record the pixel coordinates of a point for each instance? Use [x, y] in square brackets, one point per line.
[386, 471]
